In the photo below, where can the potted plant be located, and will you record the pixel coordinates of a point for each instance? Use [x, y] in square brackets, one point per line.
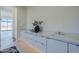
[37, 27]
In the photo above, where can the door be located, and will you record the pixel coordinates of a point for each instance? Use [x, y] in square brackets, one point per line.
[6, 27]
[54, 46]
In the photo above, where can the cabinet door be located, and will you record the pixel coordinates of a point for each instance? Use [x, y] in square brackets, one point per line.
[41, 47]
[41, 39]
[22, 34]
[73, 48]
[54, 46]
[31, 39]
[40, 43]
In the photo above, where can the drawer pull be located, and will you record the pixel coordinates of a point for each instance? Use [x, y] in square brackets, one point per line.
[30, 39]
[35, 40]
[77, 45]
[42, 44]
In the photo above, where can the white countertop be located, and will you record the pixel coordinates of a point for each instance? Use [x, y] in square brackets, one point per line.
[69, 38]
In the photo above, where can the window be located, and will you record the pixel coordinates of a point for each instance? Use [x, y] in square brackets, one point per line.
[6, 24]
[10, 26]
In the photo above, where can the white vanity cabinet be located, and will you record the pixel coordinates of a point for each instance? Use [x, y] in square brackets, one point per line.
[49, 45]
[28, 37]
[73, 48]
[41, 43]
[36, 41]
[54, 46]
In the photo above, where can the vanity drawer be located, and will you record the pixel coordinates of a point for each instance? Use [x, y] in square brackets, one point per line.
[41, 40]
[40, 46]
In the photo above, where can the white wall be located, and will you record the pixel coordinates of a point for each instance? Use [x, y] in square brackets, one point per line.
[63, 19]
[21, 18]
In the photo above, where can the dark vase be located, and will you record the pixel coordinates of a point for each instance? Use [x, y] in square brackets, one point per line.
[37, 29]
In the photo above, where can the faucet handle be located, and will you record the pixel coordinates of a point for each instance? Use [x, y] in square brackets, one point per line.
[59, 33]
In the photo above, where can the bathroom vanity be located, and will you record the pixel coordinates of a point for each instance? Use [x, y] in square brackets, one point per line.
[47, 43]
